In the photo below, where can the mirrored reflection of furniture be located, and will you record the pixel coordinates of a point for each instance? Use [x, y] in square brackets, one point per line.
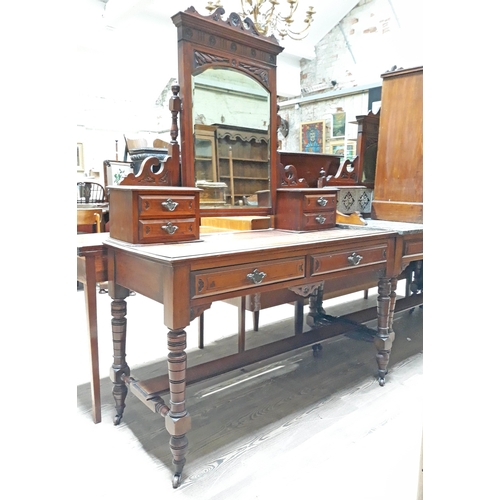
[243, 162]
[206, 167]
[205, 153]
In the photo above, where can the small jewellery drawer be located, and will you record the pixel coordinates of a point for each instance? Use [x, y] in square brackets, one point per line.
[220, 280]
[319, 220]
[167, 230]
[155, 206]
[306, 209]
[316, 203]
[338, 261]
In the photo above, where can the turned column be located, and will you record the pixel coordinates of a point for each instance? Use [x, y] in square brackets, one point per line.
[177, 420]
[386, 303]
[119, 366]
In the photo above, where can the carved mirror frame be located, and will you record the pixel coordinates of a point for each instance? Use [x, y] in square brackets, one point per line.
[212, 42]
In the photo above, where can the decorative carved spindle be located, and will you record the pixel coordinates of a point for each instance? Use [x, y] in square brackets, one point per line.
[119, 366]
[175, 107]
[385, 335]
[177, 421]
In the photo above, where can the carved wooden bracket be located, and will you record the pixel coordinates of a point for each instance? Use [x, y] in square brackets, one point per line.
[306, 290]
[288, 177]
[196, 311]
[349, 172]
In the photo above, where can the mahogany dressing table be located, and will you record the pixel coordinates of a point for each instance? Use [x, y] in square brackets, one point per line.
[189, 271]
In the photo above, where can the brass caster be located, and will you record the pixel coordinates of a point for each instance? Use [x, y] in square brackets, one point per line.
[176, 480]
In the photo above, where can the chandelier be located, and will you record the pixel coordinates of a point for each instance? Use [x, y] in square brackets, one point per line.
[267, 21]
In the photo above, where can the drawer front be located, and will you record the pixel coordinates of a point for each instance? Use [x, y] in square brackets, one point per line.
[318, 203]
[415, 247]
[175, 206]
[318, 220]
[219, 280]
[338, 261]
[168, 230]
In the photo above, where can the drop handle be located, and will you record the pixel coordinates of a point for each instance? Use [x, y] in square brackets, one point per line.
[322, 201]
[320, 219]
[170, 228]
[169, 204]
[354, 259]
[256, 276]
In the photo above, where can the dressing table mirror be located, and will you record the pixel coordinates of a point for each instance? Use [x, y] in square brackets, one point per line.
[229, 121]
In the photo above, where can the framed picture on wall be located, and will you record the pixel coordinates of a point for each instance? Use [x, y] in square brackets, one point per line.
[115, 171]
[338, 124]
[312, 137]
[344, 148]
[79, 157]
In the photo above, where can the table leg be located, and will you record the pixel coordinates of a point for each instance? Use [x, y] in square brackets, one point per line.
[119, 366]
[317, 315]
[386, 302]
[178, 420]
[91, 307]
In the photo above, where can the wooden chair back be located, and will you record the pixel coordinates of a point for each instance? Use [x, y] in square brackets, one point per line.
[90, 192]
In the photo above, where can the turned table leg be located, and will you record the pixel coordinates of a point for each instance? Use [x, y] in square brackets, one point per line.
[384, 338]
[177, 420]
[119, 366]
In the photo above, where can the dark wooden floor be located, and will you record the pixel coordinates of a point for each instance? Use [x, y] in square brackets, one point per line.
[295, 426]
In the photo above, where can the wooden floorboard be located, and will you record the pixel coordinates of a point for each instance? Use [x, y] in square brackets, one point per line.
[292, 426]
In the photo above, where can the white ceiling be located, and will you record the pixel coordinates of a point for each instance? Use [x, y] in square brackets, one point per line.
[127, 49]
[117, 13]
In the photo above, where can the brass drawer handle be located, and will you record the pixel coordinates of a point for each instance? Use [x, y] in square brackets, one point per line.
[169, 204]
[354, 259]
[322, 201]
[256, 276]
[320, 219]
[169, 228]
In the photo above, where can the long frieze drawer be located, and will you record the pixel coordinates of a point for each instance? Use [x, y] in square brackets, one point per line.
[168, 230]
[413, 247]
[338, 261]
[315, 203]
[219, 280]
[320, 220]
[154, 206]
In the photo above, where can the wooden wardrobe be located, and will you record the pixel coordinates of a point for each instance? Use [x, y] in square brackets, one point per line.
[398, 193]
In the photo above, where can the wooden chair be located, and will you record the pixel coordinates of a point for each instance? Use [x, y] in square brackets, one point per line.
[90, 192]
